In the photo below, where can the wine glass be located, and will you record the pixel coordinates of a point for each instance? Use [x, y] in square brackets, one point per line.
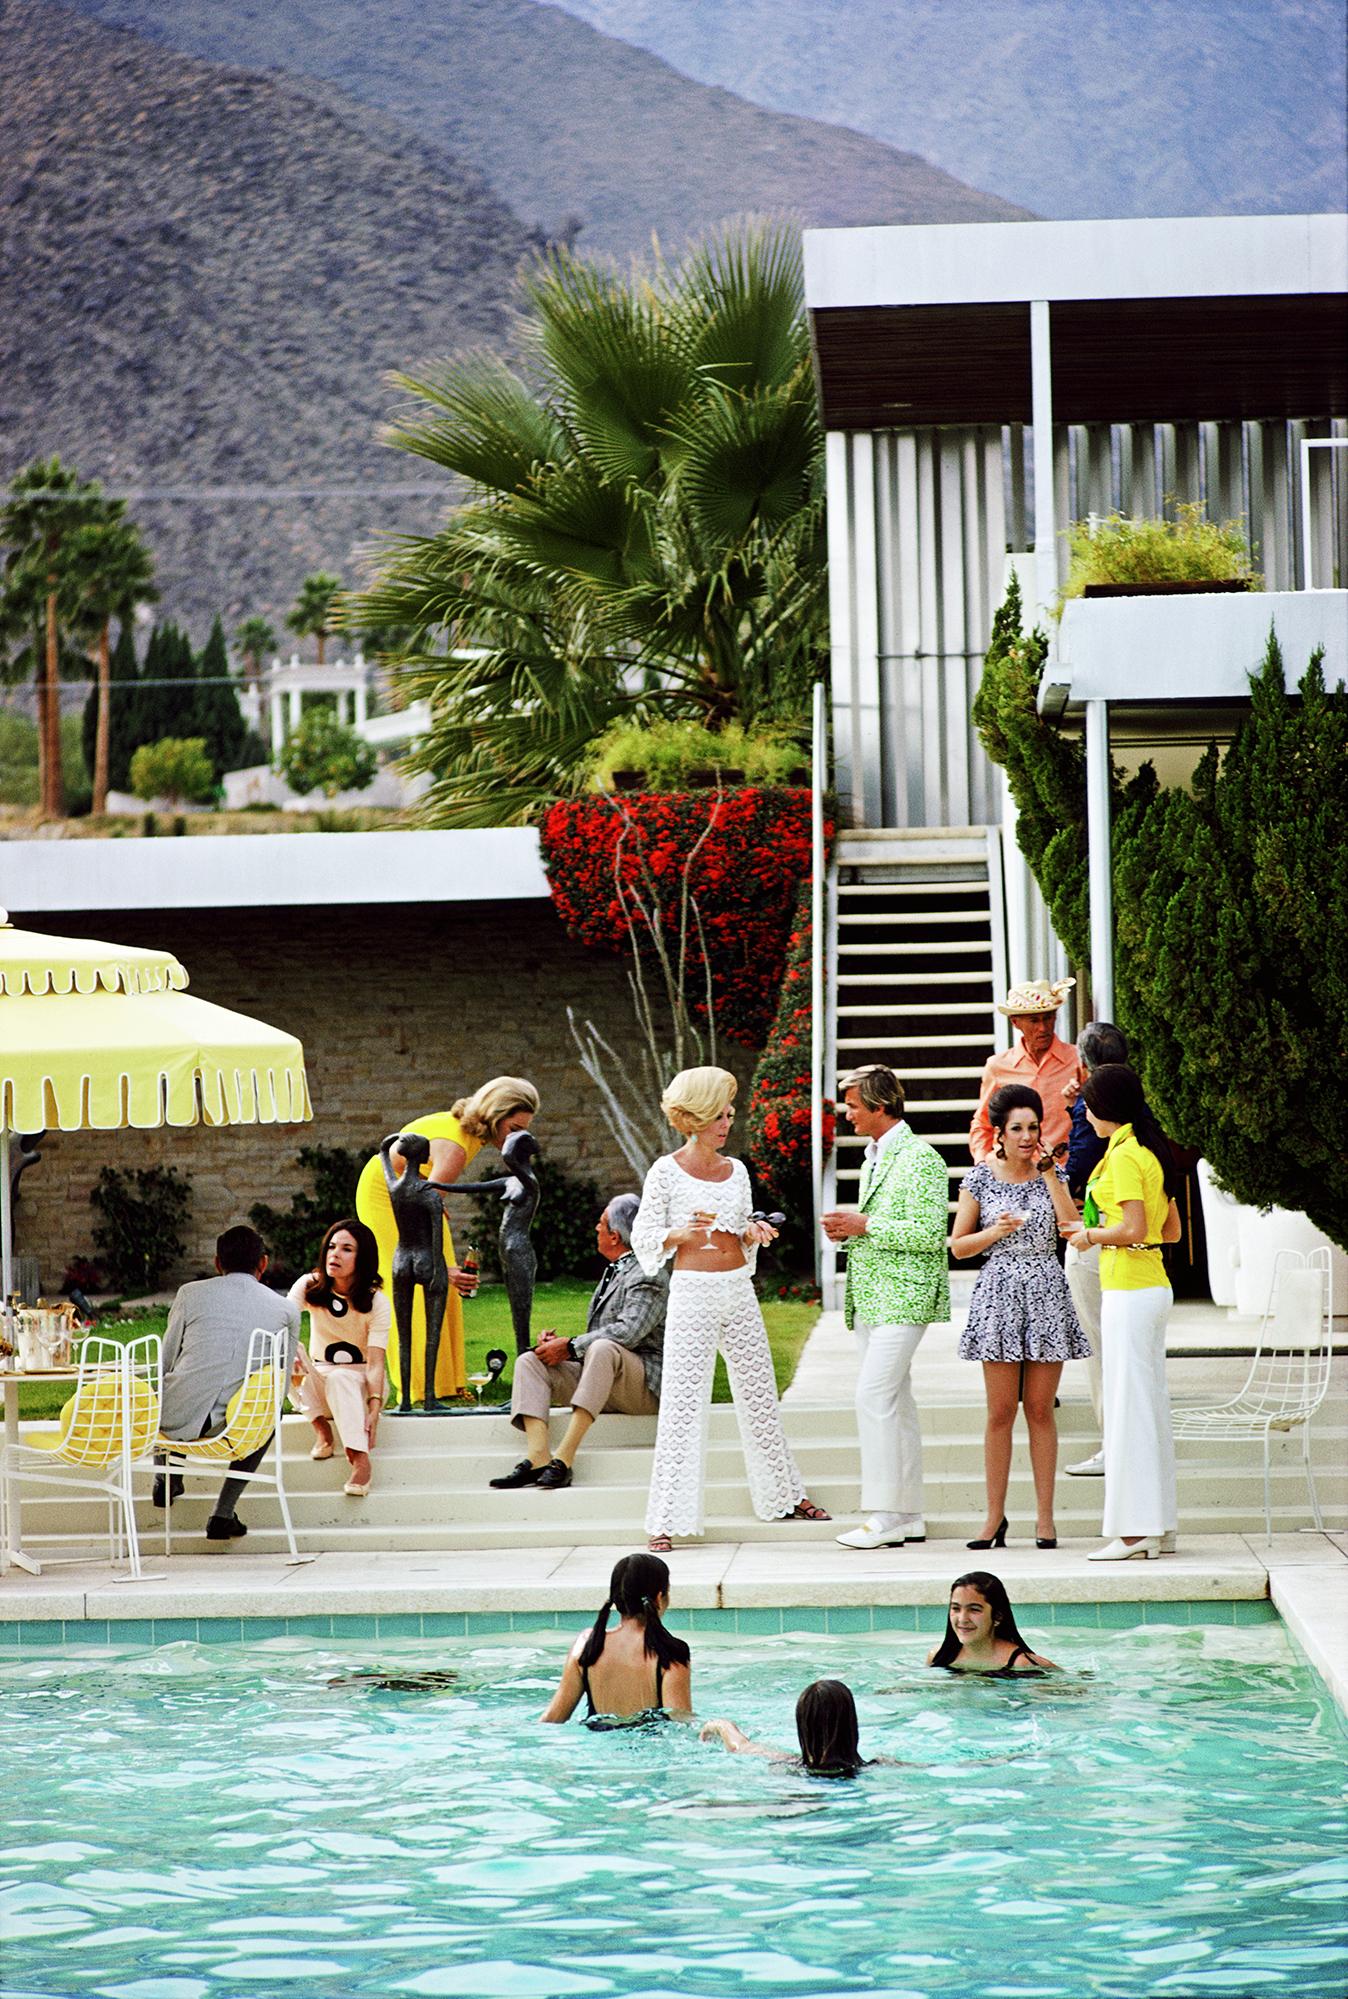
[477, 1382]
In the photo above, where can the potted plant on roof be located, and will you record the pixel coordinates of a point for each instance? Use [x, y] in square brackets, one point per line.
[1124, 556]
[683, 755]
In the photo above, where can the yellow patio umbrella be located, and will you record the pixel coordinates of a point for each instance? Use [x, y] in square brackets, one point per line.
[96, 1037]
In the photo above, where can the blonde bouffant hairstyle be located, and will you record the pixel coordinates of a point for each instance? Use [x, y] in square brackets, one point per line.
[696, 1096]
[500, 1098]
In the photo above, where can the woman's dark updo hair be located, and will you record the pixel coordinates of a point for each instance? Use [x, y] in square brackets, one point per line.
[365, 1280]
[826, 1728]
[634, 1590]
[993, 1592]
[1114, 1092]
[1013, 1097]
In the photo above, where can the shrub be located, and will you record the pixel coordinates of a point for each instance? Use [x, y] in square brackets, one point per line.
[669, 756]
[1189, 549]
[777, 1136]
[293, 1234]
[744, 880]
[174, 768]
[144, 1212]
[324, 755]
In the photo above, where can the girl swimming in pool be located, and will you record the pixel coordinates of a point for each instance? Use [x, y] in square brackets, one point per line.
[826, 1728]
[638, 1671]
[980, 1631]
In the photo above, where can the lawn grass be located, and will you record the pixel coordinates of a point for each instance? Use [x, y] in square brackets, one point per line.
[561, 1304]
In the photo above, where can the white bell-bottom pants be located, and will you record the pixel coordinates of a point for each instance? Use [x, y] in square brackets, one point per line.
[710, 1309]
[1140, 1491]
[887, 1425]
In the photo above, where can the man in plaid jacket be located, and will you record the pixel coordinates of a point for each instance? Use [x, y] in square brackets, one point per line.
[897, 1284]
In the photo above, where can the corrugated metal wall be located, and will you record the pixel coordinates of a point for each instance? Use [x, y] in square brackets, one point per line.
[919, 525]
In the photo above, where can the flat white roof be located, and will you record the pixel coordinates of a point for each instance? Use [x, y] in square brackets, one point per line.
[1191, 648]
[261, 870]
[971, 263]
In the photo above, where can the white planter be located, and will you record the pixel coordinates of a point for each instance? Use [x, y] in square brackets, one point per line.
[1243, 1243]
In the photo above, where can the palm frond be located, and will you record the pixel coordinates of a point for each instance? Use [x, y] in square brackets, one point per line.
[489, 428]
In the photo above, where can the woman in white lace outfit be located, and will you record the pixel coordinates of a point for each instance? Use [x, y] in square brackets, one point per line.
[697, 1208]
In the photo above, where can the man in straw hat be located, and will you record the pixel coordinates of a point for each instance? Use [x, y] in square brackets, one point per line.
[1042, 1061]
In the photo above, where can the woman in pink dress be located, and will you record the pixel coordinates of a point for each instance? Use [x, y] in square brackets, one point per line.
[339, 1382]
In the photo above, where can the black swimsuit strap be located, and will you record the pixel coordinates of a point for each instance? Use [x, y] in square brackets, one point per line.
[1021, 1652]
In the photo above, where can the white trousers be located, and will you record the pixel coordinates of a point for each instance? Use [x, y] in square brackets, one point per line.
[887, 1425]
[1140, 1494]
[1083, 1281]
[710, 1309]
[338, 1392]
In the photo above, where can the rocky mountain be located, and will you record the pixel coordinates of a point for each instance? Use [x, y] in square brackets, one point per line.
[204, 276]
[567, 124]
[1075, 107]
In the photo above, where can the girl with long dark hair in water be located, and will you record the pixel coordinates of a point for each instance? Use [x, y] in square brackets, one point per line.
[636, 1671]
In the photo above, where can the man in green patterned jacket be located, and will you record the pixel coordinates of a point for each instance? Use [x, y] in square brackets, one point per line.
[897, 1284]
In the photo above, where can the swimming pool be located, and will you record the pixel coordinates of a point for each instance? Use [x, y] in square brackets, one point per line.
[194, 1821]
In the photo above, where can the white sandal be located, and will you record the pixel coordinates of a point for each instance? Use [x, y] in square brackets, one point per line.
[320, 1452]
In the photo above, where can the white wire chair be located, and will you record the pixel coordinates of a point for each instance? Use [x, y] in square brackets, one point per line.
[103, 1431]
[253, 1415]
[1289, 1374]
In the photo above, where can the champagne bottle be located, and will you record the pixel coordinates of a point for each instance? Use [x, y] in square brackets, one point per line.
[468, 1264]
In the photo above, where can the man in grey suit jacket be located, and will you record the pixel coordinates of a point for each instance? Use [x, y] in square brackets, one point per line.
[613, 1365]
[206, 1354]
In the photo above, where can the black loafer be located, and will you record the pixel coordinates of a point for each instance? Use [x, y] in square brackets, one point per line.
[554, 1476]
[523, 1474]
[224, 1527]
[175, 1489]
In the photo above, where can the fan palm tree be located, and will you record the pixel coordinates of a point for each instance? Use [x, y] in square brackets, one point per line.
[311, 614]
[254, 637]
[643, 531]
[108, 570]
[47, 502]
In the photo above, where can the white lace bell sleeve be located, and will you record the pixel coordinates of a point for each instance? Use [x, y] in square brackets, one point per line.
[653, 1221]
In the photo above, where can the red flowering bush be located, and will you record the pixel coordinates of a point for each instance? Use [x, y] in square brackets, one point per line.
[777, 1139]
[744, 879]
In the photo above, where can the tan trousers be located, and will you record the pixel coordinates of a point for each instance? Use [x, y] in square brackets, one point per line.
[1083, 1281]
[610, 1379]
[338, 1392]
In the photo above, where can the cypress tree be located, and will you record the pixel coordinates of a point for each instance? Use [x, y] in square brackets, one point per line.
[215, 714]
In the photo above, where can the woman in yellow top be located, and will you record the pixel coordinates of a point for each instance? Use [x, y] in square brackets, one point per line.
[505, 1104]
[1133, 1190]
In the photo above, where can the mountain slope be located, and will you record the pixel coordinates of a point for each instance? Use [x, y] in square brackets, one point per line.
[204, 276]
[565, 122]
[1075, 107]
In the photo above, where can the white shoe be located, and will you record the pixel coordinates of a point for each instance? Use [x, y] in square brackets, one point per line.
[872, 1536]
[1089, 1467]
[1123, 1551]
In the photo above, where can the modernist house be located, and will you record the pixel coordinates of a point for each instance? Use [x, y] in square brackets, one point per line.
[983, 385]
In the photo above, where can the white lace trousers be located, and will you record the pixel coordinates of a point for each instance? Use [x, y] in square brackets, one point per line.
[710, 1309]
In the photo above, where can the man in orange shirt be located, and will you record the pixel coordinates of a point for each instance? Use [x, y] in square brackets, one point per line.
[1042, 1061]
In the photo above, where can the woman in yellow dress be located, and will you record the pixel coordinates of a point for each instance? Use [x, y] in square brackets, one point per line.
[505, 1104]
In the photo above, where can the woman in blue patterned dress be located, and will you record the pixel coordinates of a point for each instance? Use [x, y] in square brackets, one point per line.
[1021, 1325]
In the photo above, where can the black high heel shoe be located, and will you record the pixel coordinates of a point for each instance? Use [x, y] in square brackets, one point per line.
[998, 1540]
[1045, 1540]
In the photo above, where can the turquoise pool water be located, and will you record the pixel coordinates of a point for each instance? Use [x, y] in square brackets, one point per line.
[200, 1821]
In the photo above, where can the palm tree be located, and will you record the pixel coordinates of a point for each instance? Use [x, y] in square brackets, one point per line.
[46, 503]
[643, 533]
[254, 637]
[108, 570]
[311, 614]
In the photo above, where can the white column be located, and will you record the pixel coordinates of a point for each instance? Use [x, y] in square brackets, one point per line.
[1100, 870]
[278, 733]
[295, 698]
[1041, 409]
[362, 703]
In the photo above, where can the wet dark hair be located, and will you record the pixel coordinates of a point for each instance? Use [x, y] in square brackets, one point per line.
[634, 1590]
[365, 1280]
[993, 1592]
[240, 1249]
[1013, 1097]
[1114, 1092]
[826, 1728]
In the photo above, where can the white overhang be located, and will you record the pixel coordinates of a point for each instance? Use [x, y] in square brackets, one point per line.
[971, 263]
[271, 870]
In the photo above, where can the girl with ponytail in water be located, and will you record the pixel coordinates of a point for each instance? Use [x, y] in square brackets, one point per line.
[638, 1671]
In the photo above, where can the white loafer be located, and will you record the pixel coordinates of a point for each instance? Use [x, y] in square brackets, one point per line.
[1123, 1551]
[1089, 1467]
[879, 1537]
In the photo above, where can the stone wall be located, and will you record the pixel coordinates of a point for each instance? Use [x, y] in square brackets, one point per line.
[400, 1011]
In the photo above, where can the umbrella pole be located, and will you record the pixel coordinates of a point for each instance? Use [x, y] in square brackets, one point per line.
[6, 1222]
